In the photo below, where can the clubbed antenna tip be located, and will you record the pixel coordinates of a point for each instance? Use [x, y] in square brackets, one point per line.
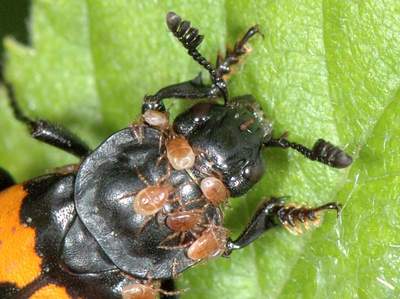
[173, 21]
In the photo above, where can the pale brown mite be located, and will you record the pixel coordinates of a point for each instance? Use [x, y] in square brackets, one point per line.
[139, 291]
[211, 243]
[151, 199]
[247, 124]
[179, 153]
[183, 221]
[214, 190]
[156, 119]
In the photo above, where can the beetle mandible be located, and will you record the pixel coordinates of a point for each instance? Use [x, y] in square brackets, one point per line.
[146, 204]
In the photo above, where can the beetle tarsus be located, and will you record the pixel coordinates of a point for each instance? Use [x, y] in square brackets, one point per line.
[233, 57]
[195, 89]
[274, 212]
[298, 219]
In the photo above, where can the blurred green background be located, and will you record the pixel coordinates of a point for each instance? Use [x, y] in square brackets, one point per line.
[13, 22]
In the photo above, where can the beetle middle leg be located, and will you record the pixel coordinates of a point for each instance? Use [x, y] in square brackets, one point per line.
[48, 132]
[274, 212]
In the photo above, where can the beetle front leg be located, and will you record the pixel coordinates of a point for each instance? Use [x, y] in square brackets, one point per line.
[193, 89]
[275, 212]
[234, 56]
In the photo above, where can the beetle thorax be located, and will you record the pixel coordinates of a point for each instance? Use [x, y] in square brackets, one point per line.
[227, 141]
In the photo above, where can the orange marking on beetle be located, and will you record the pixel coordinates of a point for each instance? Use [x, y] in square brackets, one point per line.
[19, 262]
[51, 291]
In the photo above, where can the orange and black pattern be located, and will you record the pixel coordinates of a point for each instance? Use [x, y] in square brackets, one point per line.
[34, 220]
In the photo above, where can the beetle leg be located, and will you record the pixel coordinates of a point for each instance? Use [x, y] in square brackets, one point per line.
[322, 151]
[234, 56]
[6, 179]
[47, 132]
[192, 89]
[273, 212]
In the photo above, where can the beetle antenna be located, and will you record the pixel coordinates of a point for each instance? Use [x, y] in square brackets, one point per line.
[191, 39]
[16, 109]
[322, 151]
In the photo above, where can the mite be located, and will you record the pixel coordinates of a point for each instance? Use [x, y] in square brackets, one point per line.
[144, 206]
[180, 154]
[151, 199]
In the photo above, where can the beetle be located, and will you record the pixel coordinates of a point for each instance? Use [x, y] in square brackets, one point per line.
[146, 204]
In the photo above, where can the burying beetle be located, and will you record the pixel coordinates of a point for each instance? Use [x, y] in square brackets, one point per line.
[146, 204]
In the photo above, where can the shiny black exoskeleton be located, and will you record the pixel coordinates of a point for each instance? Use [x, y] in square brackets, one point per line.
[93, 241]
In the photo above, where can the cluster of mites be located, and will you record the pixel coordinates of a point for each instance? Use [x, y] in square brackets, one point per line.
[150, 200]
[211, 239]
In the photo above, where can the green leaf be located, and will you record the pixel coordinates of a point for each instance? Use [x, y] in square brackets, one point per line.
[324, 69]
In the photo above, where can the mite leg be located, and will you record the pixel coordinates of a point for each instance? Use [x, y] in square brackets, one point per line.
[150, 290]
[275, 212]
[47, 132]
[233, 56]
[6, 179]
[322, 151]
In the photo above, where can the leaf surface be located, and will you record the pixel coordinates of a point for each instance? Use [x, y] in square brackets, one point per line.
[324, 69]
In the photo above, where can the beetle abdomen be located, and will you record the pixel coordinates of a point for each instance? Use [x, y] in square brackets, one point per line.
[19, 262]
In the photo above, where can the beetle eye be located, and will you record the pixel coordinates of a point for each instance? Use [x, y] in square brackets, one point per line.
[253, 172]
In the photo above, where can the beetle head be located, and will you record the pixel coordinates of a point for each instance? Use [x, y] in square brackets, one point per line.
[229, 139]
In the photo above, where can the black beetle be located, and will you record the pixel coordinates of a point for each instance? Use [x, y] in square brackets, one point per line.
[146, 204]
